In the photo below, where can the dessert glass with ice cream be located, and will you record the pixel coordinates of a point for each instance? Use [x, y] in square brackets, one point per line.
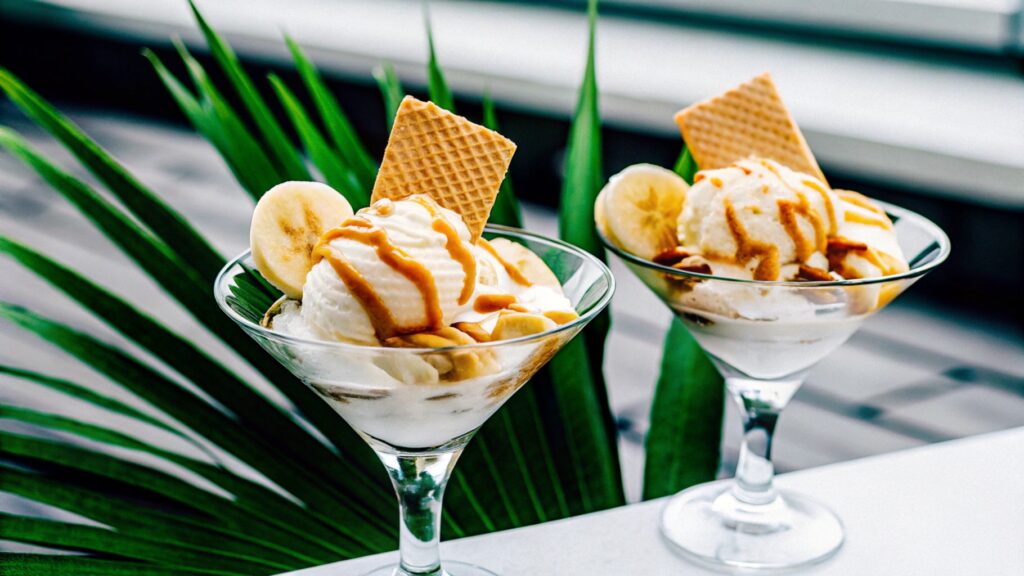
[419, 401]
[771, 270]
[413, 321]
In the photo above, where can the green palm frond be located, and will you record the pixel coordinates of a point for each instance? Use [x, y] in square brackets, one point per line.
[391, 90]
[52, 565]
[325, 158]
[506, 209]
[275, 141]
[437, 86]
[165, 223]
[217, 121]
[346, 142]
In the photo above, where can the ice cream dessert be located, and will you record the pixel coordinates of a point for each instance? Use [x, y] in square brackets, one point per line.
[759, 210]
[403, 268]
[410, 271]
[748, 214]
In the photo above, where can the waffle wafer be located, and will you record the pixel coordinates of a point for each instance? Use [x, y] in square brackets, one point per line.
[456, 162]
[749, 120]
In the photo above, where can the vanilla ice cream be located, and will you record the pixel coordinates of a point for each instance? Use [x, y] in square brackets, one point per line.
[405, 267]
[406, 274]
[759, 220]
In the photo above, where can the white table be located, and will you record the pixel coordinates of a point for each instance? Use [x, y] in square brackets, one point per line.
[955, 508]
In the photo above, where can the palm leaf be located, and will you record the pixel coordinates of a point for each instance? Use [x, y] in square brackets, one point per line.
[283, 154]
[103, 540]
[344, 137]
[562, 458]
[249, 495]
[192, 292]
[204, 119]
[324, 157]
[390, 90]
[148, 524]
[583, 171]
[582, 179]
[165, 223]
[159, 488]
[437, 86]
[506, 209]
[685, 166]
[238, 144]
[686, 418]
[253, 409]
[278, 466]
[80, 392]
[49, 565]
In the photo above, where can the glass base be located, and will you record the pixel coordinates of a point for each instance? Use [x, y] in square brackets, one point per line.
[448, 568]
[801, 533]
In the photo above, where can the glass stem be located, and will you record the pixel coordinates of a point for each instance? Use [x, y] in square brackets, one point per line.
[419, 482]
[753, 501]
[754, 470]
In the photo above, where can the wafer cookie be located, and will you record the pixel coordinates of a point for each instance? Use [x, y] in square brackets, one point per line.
[456, 162]
[749, 120]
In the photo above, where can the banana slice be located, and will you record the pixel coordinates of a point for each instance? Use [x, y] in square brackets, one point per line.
[528, 263]
[601, 216]
[641, 205]
[286, 224]
[518, 324]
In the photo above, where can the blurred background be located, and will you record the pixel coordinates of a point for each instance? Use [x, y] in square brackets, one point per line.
[916, 102]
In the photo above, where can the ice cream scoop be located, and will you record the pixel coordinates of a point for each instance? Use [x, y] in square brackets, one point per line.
[758, 219]
[755, 220]
[395, 268]
[408, 267]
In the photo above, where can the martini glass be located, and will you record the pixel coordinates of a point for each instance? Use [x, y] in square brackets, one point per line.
[417, 408]
[763, 337]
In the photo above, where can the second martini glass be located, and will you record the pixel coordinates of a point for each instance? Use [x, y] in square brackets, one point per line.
[763, 337]
[418, 408]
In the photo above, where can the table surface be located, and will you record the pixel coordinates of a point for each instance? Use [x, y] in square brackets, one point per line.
[950, 508]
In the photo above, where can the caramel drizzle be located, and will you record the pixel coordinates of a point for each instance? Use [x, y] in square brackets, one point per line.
[488, 303]
[511, 269]
[456, 249]
[361, 230]
[383, 321]
[833, 225]
[747, 248]
[859, 218]
[858, 199]
[788, 211]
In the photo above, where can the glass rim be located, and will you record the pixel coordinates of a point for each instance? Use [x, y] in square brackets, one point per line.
[938, 235]
[221, 296]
